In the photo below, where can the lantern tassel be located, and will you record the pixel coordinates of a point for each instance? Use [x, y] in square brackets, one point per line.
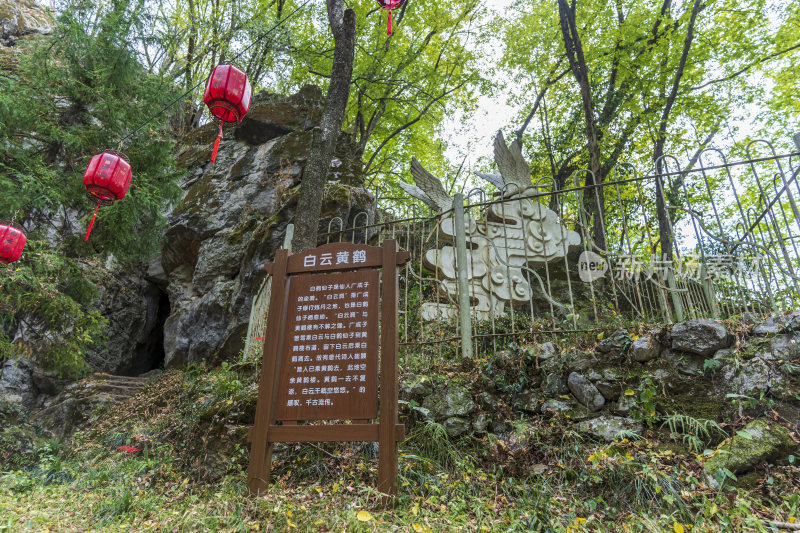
[389, 24]
[216, 144]
[94, 216]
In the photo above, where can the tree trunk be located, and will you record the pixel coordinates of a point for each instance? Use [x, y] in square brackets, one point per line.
[323, 145]
[593, 196]
[665, 234]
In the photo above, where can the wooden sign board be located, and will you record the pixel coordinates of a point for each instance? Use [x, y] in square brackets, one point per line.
[320, 358]
[329, 367]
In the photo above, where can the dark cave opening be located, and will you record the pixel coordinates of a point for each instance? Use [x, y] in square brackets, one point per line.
[149, 353]
[157, 353]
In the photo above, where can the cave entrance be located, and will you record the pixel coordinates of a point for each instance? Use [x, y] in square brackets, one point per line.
[157, 353]
[150, 353]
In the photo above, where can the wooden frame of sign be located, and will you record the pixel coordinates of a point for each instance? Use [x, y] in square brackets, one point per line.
[320, 359]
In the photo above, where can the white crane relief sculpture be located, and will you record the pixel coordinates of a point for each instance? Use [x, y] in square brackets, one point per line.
[518, 234]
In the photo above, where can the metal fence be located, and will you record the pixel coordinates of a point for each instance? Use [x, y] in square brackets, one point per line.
[544, 261]
[514, 266]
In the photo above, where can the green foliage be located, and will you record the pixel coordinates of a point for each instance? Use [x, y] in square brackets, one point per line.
[695, 432]
[47, 294]
[73, 95]
[645, 409]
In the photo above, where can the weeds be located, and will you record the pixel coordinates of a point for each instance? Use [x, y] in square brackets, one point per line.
[696, 433]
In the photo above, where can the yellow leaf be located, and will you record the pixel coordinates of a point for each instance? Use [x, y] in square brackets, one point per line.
[714, 509]
[291, 524]
[792, 520]
[289, 514]
[418, 528]
[600, 336]
[677, 528]
[415, 509]
[629, 392]
[363, 516]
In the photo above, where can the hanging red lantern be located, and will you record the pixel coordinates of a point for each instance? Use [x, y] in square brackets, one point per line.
[12, 242]
[388, 5]
[106, 179]
[228, 97]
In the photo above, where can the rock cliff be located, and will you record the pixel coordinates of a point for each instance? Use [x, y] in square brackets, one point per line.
[233, 218]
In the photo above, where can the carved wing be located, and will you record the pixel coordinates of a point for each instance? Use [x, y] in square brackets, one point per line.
[495, 178]
[432, 187]
[418, 193]
[516, 172]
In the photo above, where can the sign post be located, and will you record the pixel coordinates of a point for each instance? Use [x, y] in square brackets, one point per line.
[320, 359]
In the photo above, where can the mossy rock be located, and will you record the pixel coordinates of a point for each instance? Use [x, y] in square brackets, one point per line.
[452, 400]
[758, 442]
[192, 156]
[201, 195]
[205, 134]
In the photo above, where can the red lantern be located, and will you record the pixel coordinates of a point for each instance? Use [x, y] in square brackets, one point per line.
[389, 5]
[228, 97]
[12, 242]
[106, 179]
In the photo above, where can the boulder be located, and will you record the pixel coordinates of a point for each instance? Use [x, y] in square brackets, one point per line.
[750, 378]
[778, 324]
[16, 383]
[23, 17]
[452, 400]
[609, 428]
[528, 401]
[416, 386]
[456, 426]
[615, 344]
[500, 427]
[686, 363]
[645, 348]
[585, 391]
[625, 405]
[554, 384]
[786, 347]
[547, 351]
[701, 336]
[555, 406]
[480, 423]
[581, 361]
[609, 386]
[610, 390]
[489, 401]
[84, 401]
[759, 441]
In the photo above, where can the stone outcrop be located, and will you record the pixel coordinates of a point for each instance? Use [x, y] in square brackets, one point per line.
[23, 17]
[233, 218]
[135, 309]
[701, 336]
[609, 428]
[758, 442]
[82, 402]
[585, 391]
[610, 393]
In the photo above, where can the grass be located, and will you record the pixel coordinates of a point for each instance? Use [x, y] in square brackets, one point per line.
[188, 474]
[487, 485]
